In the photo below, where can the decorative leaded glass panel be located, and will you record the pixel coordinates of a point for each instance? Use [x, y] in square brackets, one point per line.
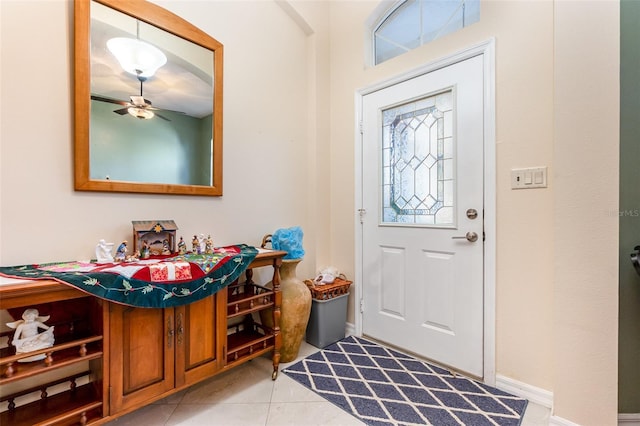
[418, 165]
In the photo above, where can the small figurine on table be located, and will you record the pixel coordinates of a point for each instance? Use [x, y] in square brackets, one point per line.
[203, 244]
[165, 247]
[121, 253]
[182, 246]
[144, 251]
[195, 243]
[27, 338]
[208, 245]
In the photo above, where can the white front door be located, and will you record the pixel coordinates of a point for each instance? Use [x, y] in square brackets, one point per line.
[422, 195]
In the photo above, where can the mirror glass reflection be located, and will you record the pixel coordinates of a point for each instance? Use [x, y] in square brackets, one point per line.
[146, 125]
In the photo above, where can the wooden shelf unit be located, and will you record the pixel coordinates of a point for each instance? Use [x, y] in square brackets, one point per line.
[134, 356]
[245, 298]
[81, 405]
[249, 339]
[79, 321]
[57, 356]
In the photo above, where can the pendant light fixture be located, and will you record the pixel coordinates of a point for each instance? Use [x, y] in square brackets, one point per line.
[136, 56]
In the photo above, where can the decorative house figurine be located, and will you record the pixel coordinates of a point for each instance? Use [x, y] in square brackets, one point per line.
[103, 252]
[160, 236]
[27, 338]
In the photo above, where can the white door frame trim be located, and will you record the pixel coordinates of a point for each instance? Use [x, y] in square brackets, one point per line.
[487, 49]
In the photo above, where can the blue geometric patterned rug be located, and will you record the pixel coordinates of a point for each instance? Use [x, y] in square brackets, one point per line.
[381, 386]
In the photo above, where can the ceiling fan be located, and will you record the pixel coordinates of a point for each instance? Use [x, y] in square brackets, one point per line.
[139, 107]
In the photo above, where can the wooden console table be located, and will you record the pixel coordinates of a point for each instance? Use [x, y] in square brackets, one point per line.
[115, 358]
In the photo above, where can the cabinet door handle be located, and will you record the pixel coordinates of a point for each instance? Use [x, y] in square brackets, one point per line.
[179, 328]
[169, 333]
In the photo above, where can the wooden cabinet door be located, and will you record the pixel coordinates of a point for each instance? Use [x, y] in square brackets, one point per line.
[198, 338]
[142, 350]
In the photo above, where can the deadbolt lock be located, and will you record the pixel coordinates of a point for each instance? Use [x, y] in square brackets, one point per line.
[472, 213]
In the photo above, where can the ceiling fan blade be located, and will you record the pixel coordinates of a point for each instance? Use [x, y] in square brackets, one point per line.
[170, 110]
[152, 108]
[109, 100]
[122, 111]
[161, 116]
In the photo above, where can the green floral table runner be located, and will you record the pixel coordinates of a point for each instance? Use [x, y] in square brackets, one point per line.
[151, 283]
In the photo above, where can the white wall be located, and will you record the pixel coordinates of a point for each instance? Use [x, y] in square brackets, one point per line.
[289, 157]
[265, 136]
[586, 152]
[550, 330]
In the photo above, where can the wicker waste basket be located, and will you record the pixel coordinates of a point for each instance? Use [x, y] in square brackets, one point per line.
[328, 312]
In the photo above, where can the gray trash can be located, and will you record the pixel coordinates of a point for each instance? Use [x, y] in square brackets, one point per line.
[327, 321]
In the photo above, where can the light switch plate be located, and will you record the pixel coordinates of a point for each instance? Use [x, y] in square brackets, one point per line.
[532, 177]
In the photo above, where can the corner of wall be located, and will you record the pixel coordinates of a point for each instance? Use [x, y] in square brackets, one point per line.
[586, 159]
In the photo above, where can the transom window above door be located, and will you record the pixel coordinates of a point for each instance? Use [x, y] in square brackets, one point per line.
[412, 23]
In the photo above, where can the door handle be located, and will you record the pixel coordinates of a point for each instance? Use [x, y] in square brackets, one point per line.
[469, 236]
[179, 328]
[170, 332]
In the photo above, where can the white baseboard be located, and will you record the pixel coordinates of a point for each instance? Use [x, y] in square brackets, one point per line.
[534, 394]
[629, 419]
[559, 421]
[624, 419]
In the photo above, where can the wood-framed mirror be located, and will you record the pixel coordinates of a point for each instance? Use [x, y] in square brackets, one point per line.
[145, 130]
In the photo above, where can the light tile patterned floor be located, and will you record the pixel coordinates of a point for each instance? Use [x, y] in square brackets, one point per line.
[246, 396]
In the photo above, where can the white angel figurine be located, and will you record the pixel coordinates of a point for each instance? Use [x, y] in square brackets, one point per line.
[203, 243]
[27, 338]
[103, 252]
